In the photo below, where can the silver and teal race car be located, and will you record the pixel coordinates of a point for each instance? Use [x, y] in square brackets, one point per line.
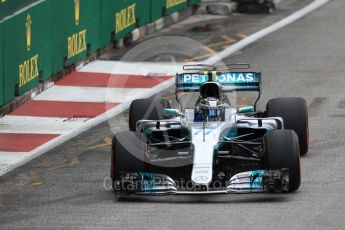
[208, 145]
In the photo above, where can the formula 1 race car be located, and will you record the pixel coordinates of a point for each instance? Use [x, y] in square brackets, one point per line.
[209, 146]
[256, 6]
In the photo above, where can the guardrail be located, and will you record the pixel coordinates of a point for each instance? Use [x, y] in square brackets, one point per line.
[39, 40]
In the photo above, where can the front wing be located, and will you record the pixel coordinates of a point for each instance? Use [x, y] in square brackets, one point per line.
[258, 181]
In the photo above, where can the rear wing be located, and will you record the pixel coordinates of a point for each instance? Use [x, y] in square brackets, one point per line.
[231, 81]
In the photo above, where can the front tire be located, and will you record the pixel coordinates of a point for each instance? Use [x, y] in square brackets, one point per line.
[128, 154]
[146, 109]
[281, 151]
[294, 112]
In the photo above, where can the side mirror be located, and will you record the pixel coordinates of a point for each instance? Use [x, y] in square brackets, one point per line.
[249, 109]
[172, 112]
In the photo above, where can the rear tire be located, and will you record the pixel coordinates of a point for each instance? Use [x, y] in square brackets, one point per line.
[281, 151]
[146, 109]
[128, 154]
[269, 8]
[294, 112]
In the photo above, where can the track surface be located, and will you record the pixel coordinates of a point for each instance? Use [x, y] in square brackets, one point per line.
[64, 188]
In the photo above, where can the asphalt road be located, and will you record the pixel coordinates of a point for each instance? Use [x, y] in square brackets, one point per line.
[64, 188]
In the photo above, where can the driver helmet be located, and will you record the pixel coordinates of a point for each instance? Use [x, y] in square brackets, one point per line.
[210, 93]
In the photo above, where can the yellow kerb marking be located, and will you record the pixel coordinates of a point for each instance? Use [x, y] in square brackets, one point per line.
[242, 35]
[36, 180]
[228, 39]
[107, 142]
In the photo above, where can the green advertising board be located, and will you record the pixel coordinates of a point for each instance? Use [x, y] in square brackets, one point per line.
[157, 9]
[1, 67]
[120, 17]
[161, 8]
[172, 6]
[76, 30]
[193, 2]
[46, 35]
[27, 38]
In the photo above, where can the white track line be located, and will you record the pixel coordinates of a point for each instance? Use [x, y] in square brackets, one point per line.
[262, 33]
[39, 125]
[9, 160]
[93, 67]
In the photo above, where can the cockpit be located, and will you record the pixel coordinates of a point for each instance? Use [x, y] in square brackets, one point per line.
[210, 106]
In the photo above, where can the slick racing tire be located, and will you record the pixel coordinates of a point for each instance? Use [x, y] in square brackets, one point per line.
[281, 151]
[128, 154]
[146, 109]
[269, 7]
[294, 112]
